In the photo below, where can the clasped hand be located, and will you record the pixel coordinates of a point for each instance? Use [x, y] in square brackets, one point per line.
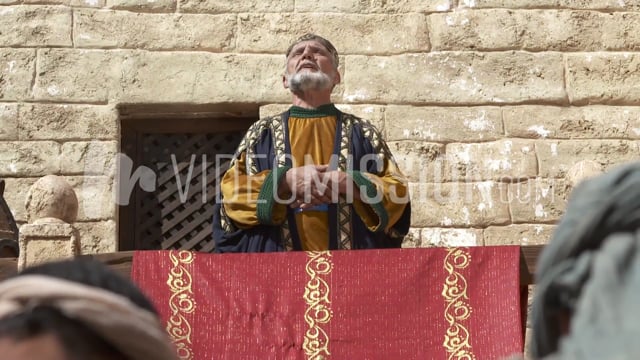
[312, 185]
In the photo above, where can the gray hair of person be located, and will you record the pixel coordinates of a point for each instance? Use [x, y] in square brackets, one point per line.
[590, 273]
[313, 37]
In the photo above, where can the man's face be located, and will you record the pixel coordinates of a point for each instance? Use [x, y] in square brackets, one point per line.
[310, 62]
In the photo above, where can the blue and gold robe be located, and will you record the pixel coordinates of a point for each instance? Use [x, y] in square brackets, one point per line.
[250, 217]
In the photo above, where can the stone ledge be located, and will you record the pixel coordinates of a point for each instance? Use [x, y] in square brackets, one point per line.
[46, 242]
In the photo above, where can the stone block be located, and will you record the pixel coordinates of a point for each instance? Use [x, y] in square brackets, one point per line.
[88, 3]
[375, 6]
[412, 239]
[157, 77]
[528, 332]
[464, 29]
[565, 30]
[272, 109]
[571, 4]
[503, 159]
[586, 122]
[581, 171]
[29, 158]
[557, 157]
[143, 5]
[97, 237]
[471, 204]
[455, 78]
[17, 68]
[96, 197]
[443, 124]
[418, 160]
[15, 193]
[77, 75]
[63, 122]
[603, 78]
[225, 6]
[8, 121]
[537, 200]
[518, 234]
[40, 243]
[45, 2]
[71, 3]
[534, 30]
[350, 33]
[448, 237]
[373, 113]
[123, 29]
[602, 4]
[35, 26]
[89, 158]
[196, 77]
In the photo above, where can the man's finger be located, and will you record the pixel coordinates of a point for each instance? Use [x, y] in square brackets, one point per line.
[296, 203]
[306, 206]
[322, 197]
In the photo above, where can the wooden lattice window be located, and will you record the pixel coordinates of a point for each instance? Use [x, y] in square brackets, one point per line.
[186, 158]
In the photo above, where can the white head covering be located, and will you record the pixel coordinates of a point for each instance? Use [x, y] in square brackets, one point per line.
[134, 331]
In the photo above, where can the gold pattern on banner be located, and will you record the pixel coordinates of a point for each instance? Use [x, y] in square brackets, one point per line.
[318, 313]
[456, 340]
[181, 302]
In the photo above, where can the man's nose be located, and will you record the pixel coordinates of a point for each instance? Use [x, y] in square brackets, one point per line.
[307, 54]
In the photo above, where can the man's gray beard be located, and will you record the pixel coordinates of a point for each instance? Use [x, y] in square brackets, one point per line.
[304, 81]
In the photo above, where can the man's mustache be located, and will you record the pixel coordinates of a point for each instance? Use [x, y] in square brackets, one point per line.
[307, 63]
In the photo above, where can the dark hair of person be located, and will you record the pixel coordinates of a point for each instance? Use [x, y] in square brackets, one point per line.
[79, 341]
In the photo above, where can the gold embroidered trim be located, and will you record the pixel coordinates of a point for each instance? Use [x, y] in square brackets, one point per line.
[318, 313]
[181, 302]
[456, 340]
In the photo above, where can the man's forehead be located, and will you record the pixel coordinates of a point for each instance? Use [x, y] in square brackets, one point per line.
[313, 43]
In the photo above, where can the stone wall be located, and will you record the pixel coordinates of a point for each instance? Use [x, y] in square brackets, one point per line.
[494, 108]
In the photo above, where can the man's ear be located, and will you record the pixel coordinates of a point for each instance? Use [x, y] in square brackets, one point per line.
[337, 78]
[285, 82]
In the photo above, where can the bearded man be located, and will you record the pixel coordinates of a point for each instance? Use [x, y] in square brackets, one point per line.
[312, 178]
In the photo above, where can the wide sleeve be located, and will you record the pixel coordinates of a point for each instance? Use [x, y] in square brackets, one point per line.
[383, 188]
[252, 200]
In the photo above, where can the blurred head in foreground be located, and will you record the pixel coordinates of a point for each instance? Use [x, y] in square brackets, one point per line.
[587, 299]
[78, 309]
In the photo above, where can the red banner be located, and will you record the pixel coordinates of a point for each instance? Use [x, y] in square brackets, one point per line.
[437, 303]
